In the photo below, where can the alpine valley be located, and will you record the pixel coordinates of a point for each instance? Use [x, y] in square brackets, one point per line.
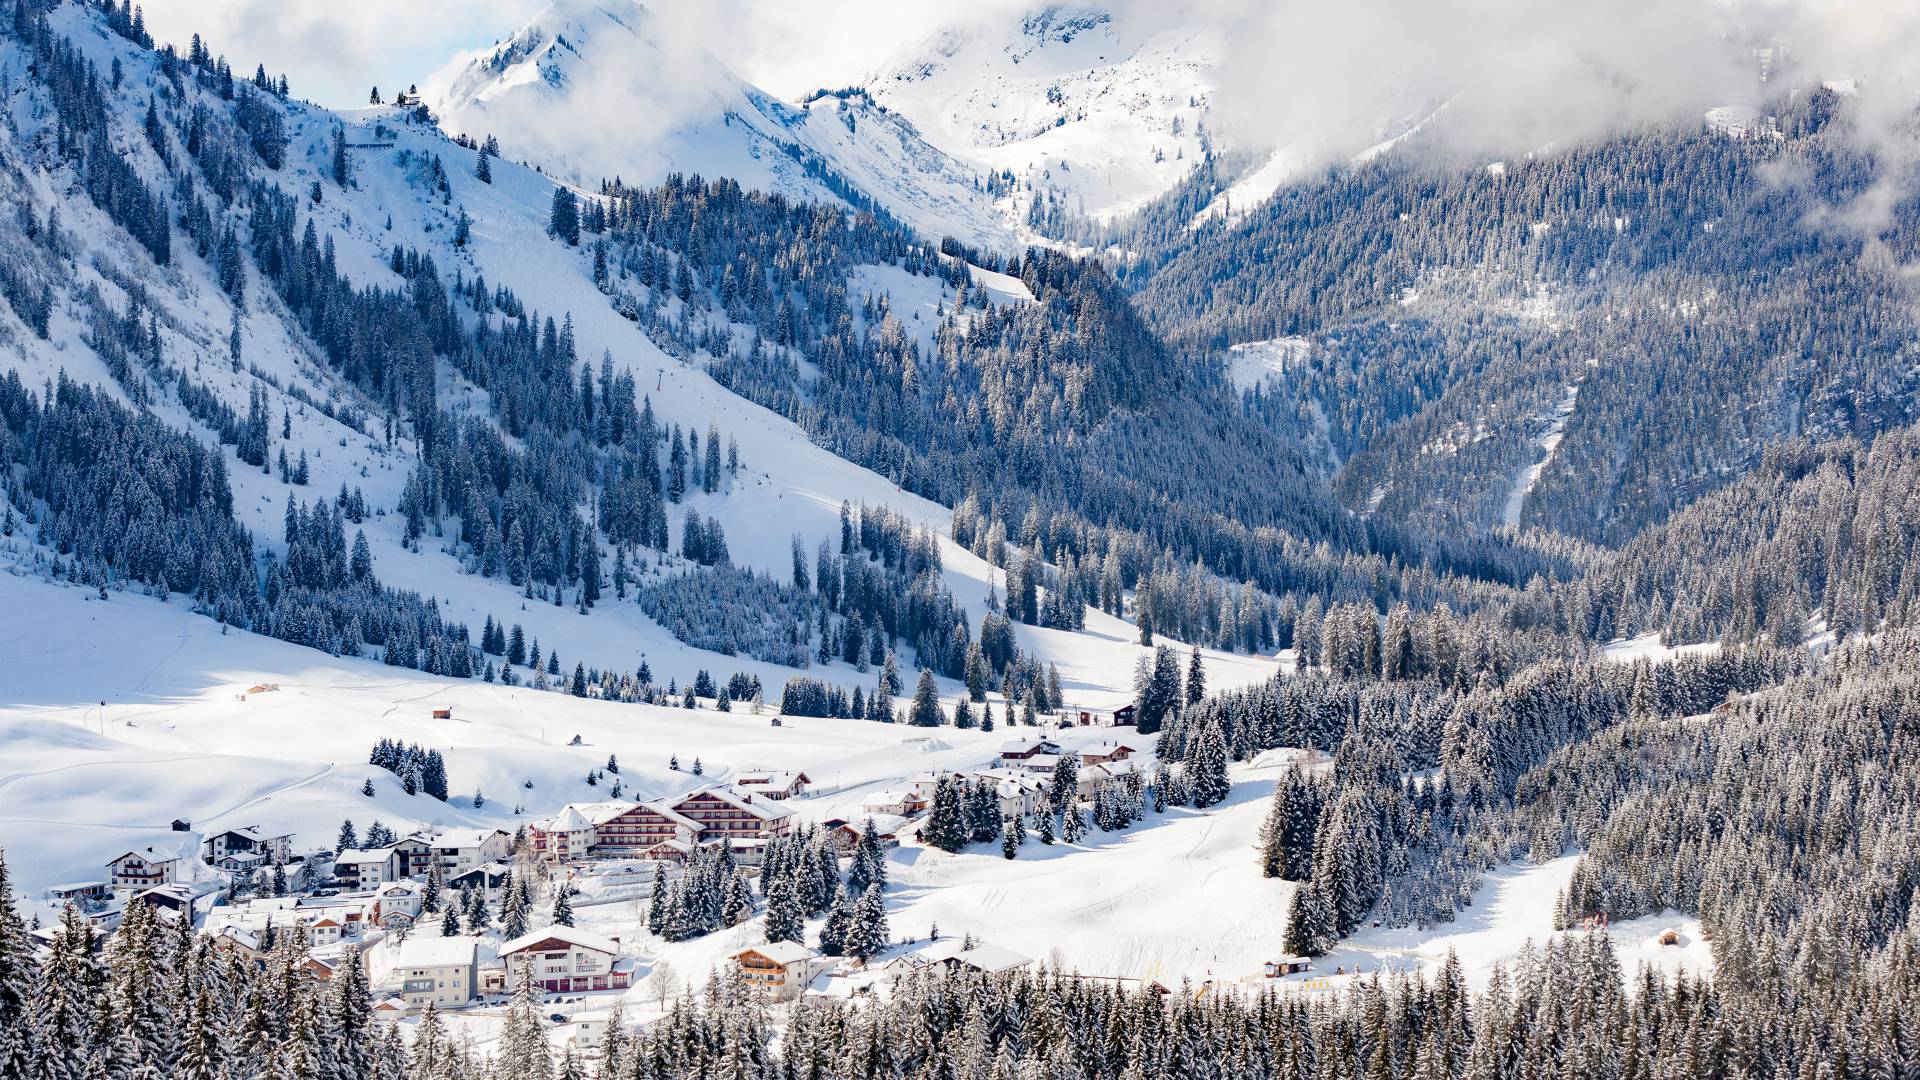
[588, 567]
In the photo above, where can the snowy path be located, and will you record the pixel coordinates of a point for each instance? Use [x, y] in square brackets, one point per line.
[1548, 442]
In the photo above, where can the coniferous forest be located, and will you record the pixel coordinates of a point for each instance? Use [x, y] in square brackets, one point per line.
[1637, 388]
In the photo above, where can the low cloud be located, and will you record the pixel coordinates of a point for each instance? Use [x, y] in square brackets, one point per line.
[334, 51]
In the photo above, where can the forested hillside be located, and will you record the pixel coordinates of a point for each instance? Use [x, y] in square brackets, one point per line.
[1707, 293]
[1252, 587]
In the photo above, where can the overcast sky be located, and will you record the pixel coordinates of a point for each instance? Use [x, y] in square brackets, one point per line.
[1518, 74]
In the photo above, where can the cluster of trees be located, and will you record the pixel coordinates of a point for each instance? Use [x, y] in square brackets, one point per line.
[1818, 536]
[1376, 841]
[419, 770]
[1030, 408]
[1788, 823]
[801, 878]
[711, 893]
[968, 810]
[83, 135]
[729, 610]
[124, 499]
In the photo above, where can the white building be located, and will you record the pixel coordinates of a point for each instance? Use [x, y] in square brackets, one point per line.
[894, 803]
[566, 960]
[460, 850]
[143, 869]
[779, 969]
[439, 970]
[274, 847]
[774, 784]
[361, 868]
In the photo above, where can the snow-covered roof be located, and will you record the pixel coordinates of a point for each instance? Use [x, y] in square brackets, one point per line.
[253, 833]
[150, 855]
[664, 810]
[568, 934]
[780, 952]
[760, 808]
[422, 951]
[490, 869]
[982, 957]
[466, 838]
[568, 819]
[363, 855]
[1024, 746]
[883, 824]
[778, 779]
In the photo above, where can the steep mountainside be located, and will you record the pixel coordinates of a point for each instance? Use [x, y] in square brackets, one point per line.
[1606, 331]
[1082, 109]
[594, 90]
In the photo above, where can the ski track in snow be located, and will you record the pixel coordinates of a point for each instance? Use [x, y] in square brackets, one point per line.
[1548, 442]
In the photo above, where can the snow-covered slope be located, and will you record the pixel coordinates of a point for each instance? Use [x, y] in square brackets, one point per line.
[191, 748]
[594, 89]
[1103, 107]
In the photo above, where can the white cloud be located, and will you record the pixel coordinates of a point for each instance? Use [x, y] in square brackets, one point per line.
[332, 51]
[1330, 77]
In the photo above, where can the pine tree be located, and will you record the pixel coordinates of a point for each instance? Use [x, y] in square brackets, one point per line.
[1196, 689]
[563, 220]
[925, 711]
[562, 906]
[1206, 766]
[946, 826]
[342, 166]
[513, 908]
[867, 936]
[784, 916]
[839, 923]
[1310, 930]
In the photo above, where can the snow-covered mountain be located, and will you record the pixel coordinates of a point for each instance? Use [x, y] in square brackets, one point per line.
[594, 89]
[1106, 109]
[209, 351]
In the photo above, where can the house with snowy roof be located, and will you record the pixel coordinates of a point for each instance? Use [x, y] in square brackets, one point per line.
[566, 835]
[723, 812]
[270, 847]
[778, 969]
[1023, 748]
[895, 803]
[1106, 753]
[460, 850]
[664, 829]
[844, 835]
[773, 784]
[1019, 792]
[397, 904]
[359, 868]
[486, 877]
[956, 954]
[435, 970]
[143, 869]
[565, 960]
